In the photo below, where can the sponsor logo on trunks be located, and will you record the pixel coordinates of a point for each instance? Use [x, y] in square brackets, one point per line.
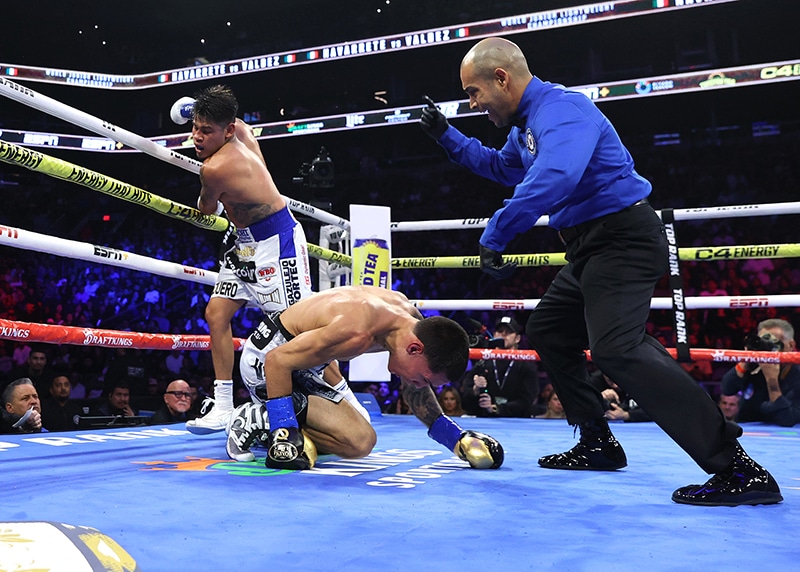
[246, 251]
[245, 235]
[227, 289]
[260, 337]
[291, 282]
[246, 271]
[273, 297]
[258, 368]
[267, 273]
[306, 271]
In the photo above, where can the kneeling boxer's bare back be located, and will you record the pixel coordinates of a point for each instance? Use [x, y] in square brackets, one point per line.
[345, 322]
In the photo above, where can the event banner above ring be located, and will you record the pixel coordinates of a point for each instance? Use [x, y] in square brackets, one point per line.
[531, 22]
[744, 76]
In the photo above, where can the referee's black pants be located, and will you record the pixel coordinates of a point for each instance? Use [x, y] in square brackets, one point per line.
[601, 300]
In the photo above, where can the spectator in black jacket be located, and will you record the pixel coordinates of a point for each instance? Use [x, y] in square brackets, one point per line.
[21, 412]
[177, 404]
[117, 402]
[36, 369]
[58, 410]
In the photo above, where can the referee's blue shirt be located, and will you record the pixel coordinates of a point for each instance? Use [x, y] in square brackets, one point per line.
[567, 162]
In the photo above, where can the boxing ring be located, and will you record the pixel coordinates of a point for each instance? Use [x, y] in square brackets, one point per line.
[173, 501]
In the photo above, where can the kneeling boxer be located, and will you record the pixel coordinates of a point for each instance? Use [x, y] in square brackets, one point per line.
[282, 363]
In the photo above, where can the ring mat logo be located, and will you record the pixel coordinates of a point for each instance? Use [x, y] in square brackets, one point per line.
[332, 466]
[202, 464]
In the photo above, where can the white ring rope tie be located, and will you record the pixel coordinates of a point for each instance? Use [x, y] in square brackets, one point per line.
[48, 105]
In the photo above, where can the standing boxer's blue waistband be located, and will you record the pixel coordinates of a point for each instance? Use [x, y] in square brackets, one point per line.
[274, 224]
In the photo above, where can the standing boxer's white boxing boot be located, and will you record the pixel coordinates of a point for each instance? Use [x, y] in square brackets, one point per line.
[217, 418]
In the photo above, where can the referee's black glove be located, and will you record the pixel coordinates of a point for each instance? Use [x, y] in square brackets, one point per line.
[433, 121]
[492, 264]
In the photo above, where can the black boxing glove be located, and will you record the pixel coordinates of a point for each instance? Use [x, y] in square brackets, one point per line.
[492, 264]
[289, 448]
[433, 121]
[480, 450]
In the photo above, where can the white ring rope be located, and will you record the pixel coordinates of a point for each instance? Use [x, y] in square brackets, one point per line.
[48, 105]
[690, 302]
[28, 240]
[701, 213]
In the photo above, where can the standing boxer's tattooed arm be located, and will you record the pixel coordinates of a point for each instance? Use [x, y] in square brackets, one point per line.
[422, 403]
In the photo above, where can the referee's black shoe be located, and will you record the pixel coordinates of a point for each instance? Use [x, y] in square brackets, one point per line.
[597, 450]
[744, 482]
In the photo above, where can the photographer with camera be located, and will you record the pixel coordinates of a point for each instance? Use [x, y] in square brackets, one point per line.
[501, 388]
[770, 391]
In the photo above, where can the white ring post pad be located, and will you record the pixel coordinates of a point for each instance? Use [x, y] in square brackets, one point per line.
[371, 247]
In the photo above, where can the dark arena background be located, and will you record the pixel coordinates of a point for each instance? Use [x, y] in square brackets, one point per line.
[703, 93]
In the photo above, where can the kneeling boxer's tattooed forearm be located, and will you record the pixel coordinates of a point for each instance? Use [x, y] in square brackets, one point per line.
[422, 403]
